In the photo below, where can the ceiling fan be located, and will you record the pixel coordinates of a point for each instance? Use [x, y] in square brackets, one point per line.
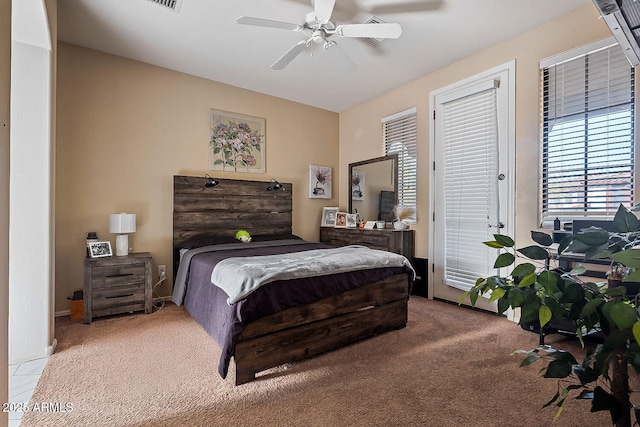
[319, 29]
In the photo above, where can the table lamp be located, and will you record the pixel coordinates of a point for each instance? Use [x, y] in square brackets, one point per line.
[121, 224]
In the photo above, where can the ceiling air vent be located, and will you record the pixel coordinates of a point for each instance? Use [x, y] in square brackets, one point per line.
[169, 4]
[369, 41]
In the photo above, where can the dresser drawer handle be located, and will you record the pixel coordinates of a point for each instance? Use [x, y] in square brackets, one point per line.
[121, 275]
[367, 243]
[119, 296]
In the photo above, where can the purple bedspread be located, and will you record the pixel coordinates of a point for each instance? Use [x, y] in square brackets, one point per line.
[208, 304]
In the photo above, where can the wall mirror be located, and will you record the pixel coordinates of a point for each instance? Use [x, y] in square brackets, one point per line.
[373, 188]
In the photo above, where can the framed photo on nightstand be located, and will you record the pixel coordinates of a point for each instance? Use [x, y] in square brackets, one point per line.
[100, 249]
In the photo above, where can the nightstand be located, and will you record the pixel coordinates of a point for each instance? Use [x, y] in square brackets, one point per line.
[117, 284]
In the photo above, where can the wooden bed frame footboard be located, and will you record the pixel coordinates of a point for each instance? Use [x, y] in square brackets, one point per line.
[337, 321]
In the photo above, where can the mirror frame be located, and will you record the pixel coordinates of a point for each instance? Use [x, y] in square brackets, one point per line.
[392, 157]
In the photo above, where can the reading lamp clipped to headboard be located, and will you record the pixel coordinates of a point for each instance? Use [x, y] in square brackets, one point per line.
[210, 182]
[275, 185]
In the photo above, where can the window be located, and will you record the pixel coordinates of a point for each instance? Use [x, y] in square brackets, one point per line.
[587, 133]
[400, 135]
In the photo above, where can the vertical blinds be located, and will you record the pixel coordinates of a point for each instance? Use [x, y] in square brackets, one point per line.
[471, 205]
[400, 136]
[588, 135]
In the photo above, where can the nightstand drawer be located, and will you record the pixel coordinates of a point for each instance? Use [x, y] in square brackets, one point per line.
[117, 296]
[118, 275]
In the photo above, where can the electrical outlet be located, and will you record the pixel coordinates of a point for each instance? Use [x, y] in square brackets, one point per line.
[162, 271]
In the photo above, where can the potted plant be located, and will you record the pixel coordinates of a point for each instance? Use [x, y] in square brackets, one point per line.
[546, 294]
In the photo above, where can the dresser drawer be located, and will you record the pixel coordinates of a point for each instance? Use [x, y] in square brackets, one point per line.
[373, 241]
[118, 275]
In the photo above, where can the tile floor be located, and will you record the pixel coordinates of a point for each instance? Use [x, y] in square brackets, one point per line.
[23, 378]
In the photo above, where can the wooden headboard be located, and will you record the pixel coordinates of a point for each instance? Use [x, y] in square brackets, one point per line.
[230, 206]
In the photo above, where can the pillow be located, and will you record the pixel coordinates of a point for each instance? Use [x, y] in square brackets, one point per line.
[206, 240]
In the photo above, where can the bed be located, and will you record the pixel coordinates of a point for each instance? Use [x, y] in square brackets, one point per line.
[287, 319]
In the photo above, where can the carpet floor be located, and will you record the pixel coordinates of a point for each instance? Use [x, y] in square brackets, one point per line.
[450, 366]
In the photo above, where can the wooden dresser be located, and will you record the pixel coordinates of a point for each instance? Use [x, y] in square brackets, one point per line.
[117, 284]
[400, 242]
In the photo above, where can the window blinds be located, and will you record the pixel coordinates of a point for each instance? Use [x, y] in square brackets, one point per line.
[588, 135]
[400, 136]
[471, 205]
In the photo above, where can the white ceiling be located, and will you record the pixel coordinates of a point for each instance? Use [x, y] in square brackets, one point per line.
[203, 39]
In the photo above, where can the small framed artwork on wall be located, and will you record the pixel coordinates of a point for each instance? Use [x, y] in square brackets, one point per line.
[100, 249]
[319, 182]
[329, 217]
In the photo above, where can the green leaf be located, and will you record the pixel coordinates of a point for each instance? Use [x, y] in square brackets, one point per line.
[544, 315]
[504, 260]
[636, 331]
[590, 307]
[564, 244]
[474, 297]
[529, 359]
[528, 280]
[592, 236]
[542, 239]
[573, 293]
[549, 281]
[506, 241]
[578, 270]
[503, 305]
[555, 308]
[493, 244]
[553, 399]
[497, 294]
[515, 297]
[603, 401]
[534, 252]
[623, 315]
[625, 221]
[523, 270]
[629, 257]
[558, 369]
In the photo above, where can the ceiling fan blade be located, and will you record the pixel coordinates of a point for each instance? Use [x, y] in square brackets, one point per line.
[290, 55]
[374, 31]
[260, 22]
[323, 10]
[406, 7]
[345, 63]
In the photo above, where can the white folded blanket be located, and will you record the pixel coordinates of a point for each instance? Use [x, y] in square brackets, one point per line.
[240, 276]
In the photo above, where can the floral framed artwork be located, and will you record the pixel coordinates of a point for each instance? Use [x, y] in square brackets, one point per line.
[329, 217]
[236, 142]
[319, 182]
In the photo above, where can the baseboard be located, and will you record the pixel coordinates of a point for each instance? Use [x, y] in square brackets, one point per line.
[52, 347]
[68, 312]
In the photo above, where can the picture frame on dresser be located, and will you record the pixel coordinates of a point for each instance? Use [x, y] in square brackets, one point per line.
[100, 249]
[352, 220]
[329, 217]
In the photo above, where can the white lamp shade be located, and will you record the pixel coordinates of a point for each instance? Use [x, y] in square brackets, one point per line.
[122, 223]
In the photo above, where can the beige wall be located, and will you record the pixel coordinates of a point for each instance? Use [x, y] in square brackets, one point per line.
[5, 88]
[124, 128]
[361, 132]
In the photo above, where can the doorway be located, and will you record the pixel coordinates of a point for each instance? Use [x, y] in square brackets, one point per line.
[472, 196]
